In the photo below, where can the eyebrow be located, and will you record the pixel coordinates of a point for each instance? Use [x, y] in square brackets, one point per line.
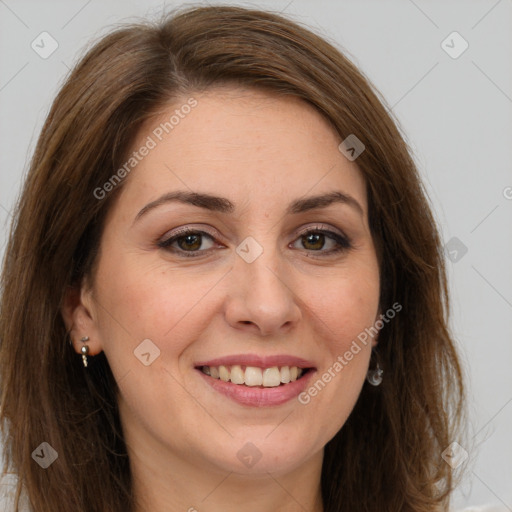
[224, 205]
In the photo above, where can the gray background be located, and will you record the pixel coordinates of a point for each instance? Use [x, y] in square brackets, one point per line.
[455, 113]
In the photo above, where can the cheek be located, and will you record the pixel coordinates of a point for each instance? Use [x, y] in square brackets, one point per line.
[348, 306]
[155, 302]
[347, 310]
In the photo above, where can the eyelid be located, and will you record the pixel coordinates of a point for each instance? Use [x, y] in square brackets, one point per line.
[321, 227]
[187, 229]
[165, 242]
[343, 241]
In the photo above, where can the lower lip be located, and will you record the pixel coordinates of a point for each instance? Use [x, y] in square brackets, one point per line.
[256, 396]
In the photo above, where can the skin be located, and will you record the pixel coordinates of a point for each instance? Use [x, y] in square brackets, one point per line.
[261, 152]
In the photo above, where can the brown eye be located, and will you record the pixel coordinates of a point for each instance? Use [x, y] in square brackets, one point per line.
[187, 241]
[191, 242]
[315, 240]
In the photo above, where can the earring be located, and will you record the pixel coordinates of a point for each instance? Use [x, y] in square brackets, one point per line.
[85, 350]
[374, 377]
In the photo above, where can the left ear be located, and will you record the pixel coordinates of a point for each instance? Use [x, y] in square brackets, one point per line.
[79, 314]
[375, 339]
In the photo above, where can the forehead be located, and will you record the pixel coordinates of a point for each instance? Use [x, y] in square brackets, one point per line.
[242, 142]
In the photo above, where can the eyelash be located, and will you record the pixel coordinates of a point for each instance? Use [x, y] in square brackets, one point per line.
[343, 242]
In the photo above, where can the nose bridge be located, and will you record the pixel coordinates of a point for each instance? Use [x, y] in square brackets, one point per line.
[262, 293]
[261, 258]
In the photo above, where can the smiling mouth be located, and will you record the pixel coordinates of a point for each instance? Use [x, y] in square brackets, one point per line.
[253, 376]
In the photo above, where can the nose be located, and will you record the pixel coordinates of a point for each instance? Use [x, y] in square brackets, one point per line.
[261, 297]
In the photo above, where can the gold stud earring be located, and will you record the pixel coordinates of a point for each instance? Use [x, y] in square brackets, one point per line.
[85, 350]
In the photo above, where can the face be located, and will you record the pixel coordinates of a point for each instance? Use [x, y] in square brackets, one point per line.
[258, 287]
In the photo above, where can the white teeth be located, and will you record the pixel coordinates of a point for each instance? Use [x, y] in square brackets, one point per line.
[271, 377]
[223, 373]
[253, 375]
[237, 374]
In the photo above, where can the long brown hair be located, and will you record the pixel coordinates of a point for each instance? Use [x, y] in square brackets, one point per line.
[387, 456]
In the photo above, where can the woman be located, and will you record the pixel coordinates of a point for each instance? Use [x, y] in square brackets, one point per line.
[224, 287]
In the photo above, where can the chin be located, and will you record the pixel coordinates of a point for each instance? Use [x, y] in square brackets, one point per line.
[265, 452]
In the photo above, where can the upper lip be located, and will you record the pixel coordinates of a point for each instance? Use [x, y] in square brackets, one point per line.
[258, 361]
